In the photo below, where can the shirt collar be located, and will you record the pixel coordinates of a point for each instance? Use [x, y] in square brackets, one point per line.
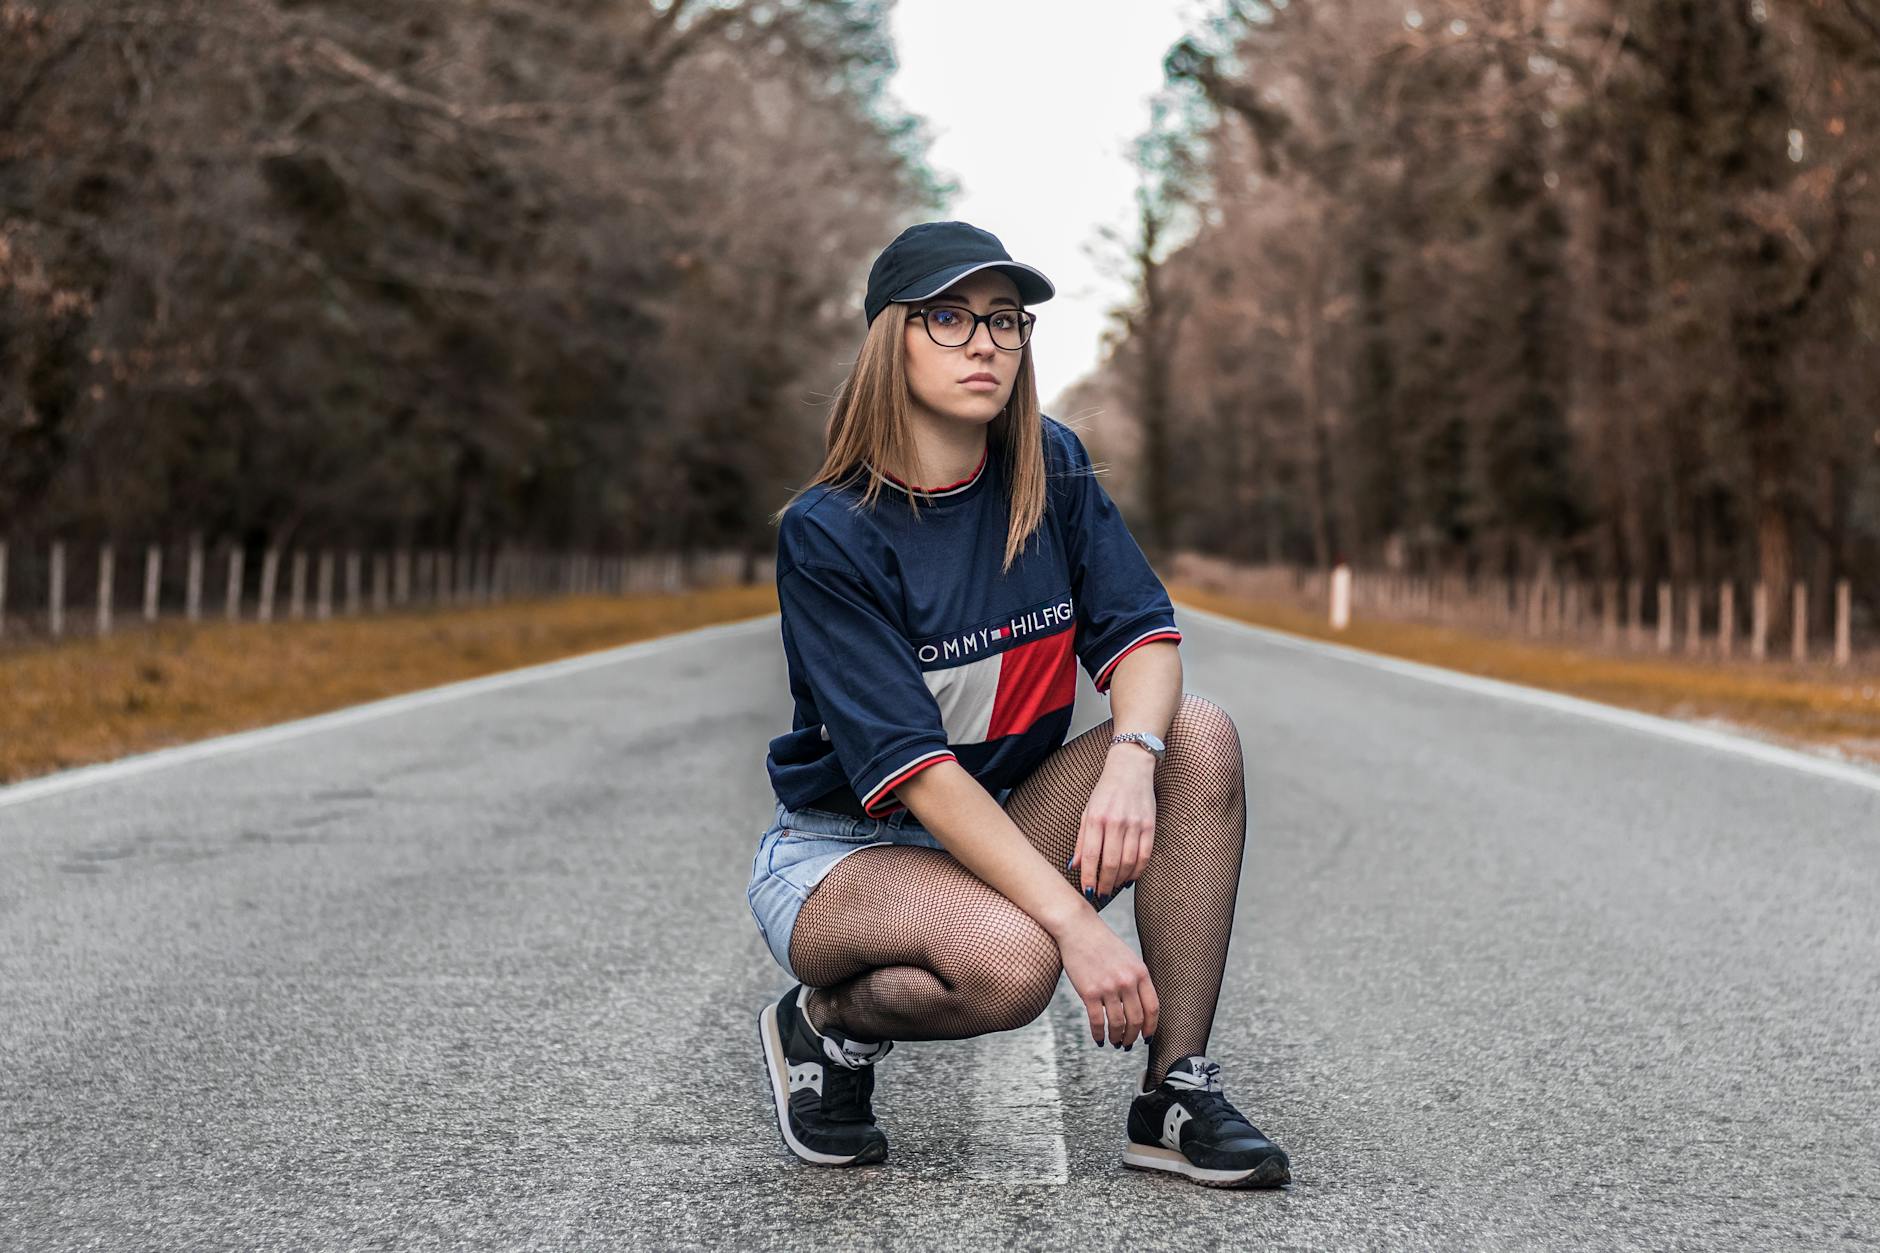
[951, 489]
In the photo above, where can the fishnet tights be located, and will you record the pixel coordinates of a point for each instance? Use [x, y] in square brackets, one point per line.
[905, 943]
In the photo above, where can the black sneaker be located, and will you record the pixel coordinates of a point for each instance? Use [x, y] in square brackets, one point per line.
[822, 1085]
[1185, 1125]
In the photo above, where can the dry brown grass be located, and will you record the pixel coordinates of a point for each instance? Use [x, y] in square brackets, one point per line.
[92, 700]
[1807, 705]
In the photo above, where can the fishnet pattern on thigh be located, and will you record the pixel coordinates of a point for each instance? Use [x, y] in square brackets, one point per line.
[905, 943]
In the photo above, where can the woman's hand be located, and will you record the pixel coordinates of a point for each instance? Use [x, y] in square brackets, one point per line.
[1111, 981]
[1117, 830]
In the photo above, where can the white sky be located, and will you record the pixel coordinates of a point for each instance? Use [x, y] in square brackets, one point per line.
[1081, 73]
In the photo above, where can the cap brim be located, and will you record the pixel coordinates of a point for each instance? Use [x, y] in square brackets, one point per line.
[1033, 287]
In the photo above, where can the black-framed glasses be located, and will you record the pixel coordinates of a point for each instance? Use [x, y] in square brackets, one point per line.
[953, 327]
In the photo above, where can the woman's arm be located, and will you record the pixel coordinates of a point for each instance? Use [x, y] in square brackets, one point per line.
[970, 824]
[1117, 830]
[1109, 977]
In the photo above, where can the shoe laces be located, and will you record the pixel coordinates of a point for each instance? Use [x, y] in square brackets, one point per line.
[845, 1093]
[1197, 1083]
[1215, 1108]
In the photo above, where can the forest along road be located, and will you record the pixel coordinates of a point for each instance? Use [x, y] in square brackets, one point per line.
[476, 969]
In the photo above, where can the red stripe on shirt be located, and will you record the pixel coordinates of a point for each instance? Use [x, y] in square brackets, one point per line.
[1103, 676]
[887, 786]
[1036, 678]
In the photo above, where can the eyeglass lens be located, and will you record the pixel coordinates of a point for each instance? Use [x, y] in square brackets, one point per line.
[951, 327]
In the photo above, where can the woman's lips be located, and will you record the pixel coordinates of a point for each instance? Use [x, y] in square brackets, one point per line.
[982, 385]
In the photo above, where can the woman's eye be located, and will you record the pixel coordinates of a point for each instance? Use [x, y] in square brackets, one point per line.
[945, 317]
[1005, 321]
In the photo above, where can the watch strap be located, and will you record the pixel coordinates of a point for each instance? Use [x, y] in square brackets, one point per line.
[1139, 737]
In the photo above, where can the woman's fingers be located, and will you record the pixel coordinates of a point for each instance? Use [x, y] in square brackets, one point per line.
[1151, 1005]
[1112, 861]
[1110, 856]
[1132, 1009]
[1126, 864]
[1119, 1020]
[1089, 855]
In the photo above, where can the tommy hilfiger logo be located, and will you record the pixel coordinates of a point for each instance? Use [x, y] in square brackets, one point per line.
[971, 643]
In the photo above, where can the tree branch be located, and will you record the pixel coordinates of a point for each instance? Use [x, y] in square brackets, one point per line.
[10, 111]
[1839, 222]
[1858, 11]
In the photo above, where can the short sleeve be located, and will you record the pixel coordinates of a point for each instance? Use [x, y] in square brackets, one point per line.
[881, 718]
[1120, 603]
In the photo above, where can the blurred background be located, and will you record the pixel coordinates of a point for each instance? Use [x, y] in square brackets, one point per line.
[1562, 293]
[357, 348]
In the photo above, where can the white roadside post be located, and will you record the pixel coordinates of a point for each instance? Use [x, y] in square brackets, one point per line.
[1341, 597]
[153, 573]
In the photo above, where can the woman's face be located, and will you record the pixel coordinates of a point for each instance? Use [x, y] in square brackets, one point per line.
[951, 383]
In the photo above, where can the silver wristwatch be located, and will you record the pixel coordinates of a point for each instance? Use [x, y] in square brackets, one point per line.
[1143, 738]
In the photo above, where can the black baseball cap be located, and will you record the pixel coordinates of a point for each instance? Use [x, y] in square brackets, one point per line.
[929, 257]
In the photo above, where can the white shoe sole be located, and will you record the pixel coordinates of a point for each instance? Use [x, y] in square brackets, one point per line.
[779, 1067]
[1269, 1174]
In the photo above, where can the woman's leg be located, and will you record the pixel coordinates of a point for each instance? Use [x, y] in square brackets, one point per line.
[905, 943]
[1185, 895]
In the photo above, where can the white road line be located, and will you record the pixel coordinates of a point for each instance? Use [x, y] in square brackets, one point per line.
[144, 763]
[1018, 1117]
[1650, 724]
[161, 759]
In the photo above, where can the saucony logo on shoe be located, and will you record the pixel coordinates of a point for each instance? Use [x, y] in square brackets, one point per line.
[1195, 1074]
[853, 1054]
[1172, 1126]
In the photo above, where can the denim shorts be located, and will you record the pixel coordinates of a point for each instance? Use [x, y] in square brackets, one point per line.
[798, 849]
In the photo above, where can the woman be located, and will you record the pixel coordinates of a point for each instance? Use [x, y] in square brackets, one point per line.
[939, 853]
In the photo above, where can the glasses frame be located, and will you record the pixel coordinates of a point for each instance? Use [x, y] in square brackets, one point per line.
[1025, 323]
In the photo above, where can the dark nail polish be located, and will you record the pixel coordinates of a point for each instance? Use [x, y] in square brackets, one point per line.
[1129, 1048]
[1069, 860]
[1090, 894]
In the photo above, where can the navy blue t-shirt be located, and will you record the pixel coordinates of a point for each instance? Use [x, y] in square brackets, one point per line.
[907, 647]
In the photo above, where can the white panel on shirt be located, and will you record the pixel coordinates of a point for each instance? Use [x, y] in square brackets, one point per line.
[966, 695]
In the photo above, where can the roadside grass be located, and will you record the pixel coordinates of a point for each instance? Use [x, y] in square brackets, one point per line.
[1813, 706]
[89, 700]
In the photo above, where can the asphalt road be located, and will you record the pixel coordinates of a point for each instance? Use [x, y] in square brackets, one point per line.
[475, 970]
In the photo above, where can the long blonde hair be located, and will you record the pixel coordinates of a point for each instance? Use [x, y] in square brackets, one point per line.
[868, 427]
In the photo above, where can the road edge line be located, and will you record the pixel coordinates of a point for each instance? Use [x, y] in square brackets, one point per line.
[1560, 702]
[76, 777]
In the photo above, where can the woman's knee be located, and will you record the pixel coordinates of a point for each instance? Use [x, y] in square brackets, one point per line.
[1012, 971]
[1204, 746]
[1200, 723]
